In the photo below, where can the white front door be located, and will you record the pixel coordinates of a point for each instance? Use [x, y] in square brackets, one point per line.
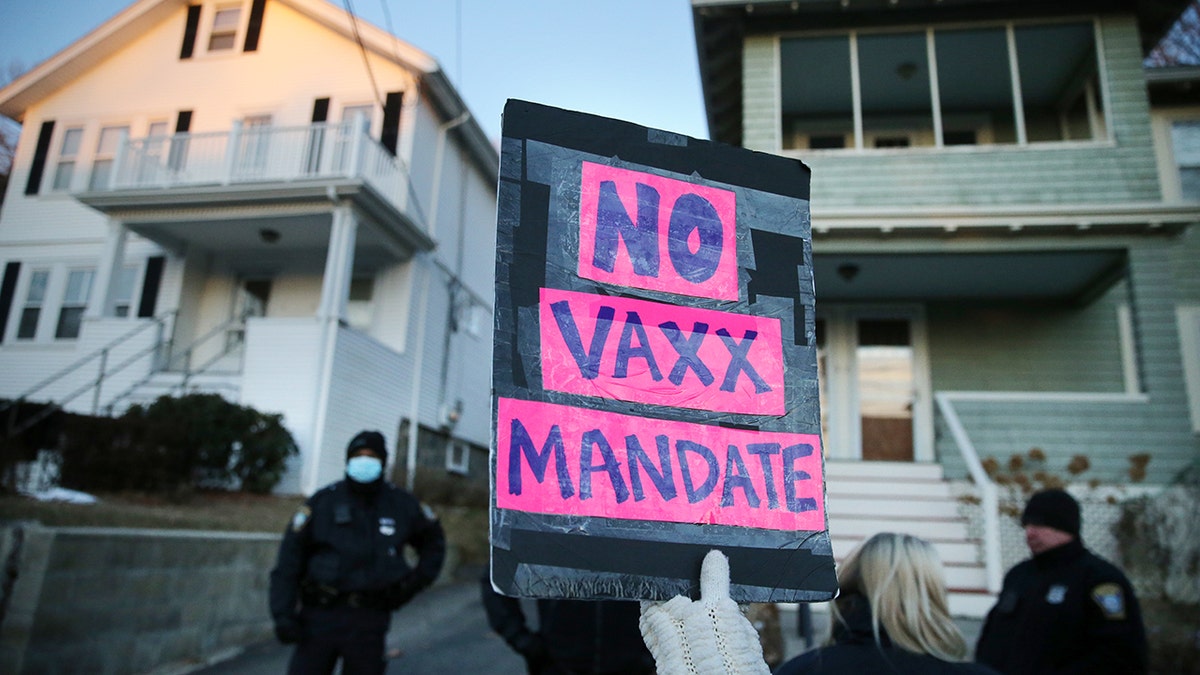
[874, 378]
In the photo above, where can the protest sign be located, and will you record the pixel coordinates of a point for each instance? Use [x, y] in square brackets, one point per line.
[654, 377]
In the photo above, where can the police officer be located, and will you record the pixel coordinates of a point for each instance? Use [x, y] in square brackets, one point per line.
[341, 570]
[1065, 609]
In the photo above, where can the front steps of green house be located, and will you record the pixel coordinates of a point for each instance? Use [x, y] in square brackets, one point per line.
[864, 498]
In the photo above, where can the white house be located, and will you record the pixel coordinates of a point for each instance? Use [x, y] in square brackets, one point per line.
[269, 199]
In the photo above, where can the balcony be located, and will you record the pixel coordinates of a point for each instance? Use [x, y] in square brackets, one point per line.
[218, 190]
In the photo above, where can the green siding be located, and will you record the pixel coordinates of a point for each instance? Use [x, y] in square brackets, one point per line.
[760, 82]
[1014, 347]
[978, 175]
[1185, 266]
[1109, 432]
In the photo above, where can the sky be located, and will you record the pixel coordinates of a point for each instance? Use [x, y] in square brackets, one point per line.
[630, 59]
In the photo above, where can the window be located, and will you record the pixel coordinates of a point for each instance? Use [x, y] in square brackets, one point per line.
[225, 28]
[896, 106]
[1188, 317]
[123, 291]
[458, 457]
[70, 314]
[68, 154]
[358, 307]
[975, 86]
[255, 144]
[817, 102]
[150, 165]
[982, 85]
[106, 153]
[1185, 141]
[35, 297]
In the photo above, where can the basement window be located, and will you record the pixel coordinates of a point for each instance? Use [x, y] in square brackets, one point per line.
[458, 457]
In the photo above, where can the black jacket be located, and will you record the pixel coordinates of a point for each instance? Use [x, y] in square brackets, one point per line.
[855, 651]
[350, 538]
[1065, 611]
[574, 636]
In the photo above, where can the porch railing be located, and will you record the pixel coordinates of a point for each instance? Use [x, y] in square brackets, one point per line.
[989, 494]
[250, 154]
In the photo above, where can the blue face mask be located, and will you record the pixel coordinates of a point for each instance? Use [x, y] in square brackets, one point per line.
[364, 469]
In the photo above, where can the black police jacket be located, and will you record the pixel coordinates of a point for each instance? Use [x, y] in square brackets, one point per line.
[577, 636]
[349, 539]
[854, 650]
[1065, 610]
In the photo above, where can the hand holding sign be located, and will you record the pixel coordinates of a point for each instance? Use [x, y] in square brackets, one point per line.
[709, 635]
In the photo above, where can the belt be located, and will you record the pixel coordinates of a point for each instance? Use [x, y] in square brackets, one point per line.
[320, 595]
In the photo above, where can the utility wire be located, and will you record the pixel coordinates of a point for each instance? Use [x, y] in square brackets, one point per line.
[363, 48]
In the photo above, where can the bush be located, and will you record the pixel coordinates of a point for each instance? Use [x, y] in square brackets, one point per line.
[177, 444]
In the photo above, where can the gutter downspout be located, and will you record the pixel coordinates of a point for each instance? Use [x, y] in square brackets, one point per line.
[410, 467]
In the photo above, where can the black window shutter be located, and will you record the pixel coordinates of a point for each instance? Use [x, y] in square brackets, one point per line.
[189, 32]
[320, 110]
[154, 270]
[390, 135]
[39, 158]
[7, 288]
[178, 151]
[255, 25]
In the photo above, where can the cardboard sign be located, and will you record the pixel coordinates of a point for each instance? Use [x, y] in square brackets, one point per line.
[655, 379]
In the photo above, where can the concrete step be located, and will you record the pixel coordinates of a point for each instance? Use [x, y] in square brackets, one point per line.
[857, 487]
[895, 501]
[951, 552]
[895, 471]
[944, 530]
[972, 605]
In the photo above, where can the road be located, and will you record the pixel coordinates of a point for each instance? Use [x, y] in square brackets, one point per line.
[444, 630]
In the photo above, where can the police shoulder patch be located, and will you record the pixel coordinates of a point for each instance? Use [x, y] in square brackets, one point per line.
[1111, 600]
[300, 518]
[429, 513]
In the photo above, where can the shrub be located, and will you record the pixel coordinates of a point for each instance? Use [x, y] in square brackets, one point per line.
[177, 444]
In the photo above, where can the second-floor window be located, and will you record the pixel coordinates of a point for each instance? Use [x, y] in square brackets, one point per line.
[226, 21]
[106, 152]
[68, 156]
[982, 85]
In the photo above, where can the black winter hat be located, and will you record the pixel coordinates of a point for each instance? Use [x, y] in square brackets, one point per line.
[371, 440]
[1053, 508]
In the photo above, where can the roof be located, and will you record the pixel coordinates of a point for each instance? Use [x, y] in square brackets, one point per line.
[721, 26]
[111, 36]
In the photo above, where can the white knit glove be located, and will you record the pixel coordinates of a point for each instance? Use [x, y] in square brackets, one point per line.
[710, 636]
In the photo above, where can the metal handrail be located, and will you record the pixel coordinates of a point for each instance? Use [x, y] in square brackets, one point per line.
[990, 499]
[102, 352]
[96, 385]
[188, 372]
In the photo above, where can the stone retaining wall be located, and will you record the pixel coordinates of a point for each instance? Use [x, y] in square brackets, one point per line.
[117, 601]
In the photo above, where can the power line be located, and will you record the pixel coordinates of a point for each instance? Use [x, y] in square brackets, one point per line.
[363, 48]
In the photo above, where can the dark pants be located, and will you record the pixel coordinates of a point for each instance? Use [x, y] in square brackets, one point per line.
[354, 635]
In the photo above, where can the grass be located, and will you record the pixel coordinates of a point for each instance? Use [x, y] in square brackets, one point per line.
[466, 527]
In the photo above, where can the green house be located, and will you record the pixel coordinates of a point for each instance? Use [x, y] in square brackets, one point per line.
[1006, 253]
